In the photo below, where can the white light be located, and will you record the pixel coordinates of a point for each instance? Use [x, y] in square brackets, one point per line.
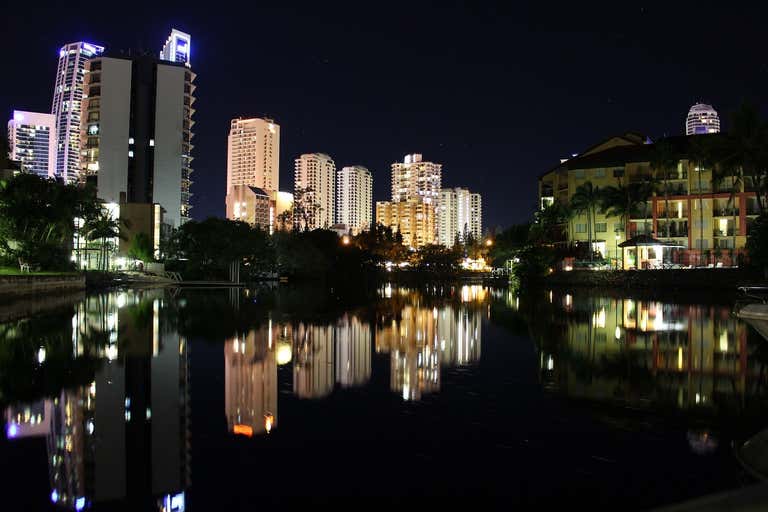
[41, 355]
[152, 143]
[130, 140]
[130, 154]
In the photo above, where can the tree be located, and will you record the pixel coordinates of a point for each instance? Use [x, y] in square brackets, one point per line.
[102, 227]
[663, 161]
[37, 219]
[701, 155]
[757, 244]
[305, 209]
[622, 201]
[141, 248]
[586, 200]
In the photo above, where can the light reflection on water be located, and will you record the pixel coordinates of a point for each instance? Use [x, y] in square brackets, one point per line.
[128, 411]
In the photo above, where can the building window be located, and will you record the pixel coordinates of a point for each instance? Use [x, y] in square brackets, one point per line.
[618, 173]
[579, 174]
[601, 227]
[618, 227]
[599, 173]
[581, 228]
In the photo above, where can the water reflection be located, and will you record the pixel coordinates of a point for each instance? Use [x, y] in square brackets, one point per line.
[645, 352]
[124, 432]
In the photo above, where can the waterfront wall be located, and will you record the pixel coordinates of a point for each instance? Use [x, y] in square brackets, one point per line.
[673, 279]
[12, 287]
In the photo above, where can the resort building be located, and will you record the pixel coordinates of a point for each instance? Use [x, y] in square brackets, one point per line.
[414, 179]
[702, 119]
[354, 192]
[67, 106]
[32, 142]
[700, 220]
[315, 190]
[459, 215]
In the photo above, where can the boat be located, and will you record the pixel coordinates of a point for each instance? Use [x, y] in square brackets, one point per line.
[755, 313]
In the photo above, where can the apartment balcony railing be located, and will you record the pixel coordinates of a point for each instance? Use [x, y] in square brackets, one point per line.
[673, 214]
[720, 233]
[723, 212]
[547, 191]
[753, 210]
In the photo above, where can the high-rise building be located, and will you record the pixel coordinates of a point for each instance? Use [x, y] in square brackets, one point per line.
[702, 118]
[415, 179]
[315, 187]
[415, 220]
[136, 133]
[67, 98]
[354, 198]
[459, 214]
[253, 154]
[177, 47]
[32, 141]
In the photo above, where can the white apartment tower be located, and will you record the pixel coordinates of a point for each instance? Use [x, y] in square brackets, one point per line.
[415, 179]
[177, 48]
[702, 118]
[136, 132]
[253, 154]
[67, 98]
[32, 141]
[354, 198]
[315, 190]
[459, 214]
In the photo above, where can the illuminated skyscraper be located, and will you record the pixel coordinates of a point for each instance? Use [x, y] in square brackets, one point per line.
[67, 98]
[459, 214]
[415, 179]
[315, 173]
[702, 118]
[177, 47]
[354, 198]
[137, 132]
[32, 141]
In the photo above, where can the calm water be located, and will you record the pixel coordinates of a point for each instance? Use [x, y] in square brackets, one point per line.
[214, 400]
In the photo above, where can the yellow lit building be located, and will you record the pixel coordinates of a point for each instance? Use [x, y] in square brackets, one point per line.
[414, 219]
[703, 216]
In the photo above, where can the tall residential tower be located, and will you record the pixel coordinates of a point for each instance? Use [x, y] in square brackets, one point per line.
[459, 215]
[354, 198]
[67, 98]
[32, 141]
[177, 48]
[701, 119]
[136, 134]
[315, 190]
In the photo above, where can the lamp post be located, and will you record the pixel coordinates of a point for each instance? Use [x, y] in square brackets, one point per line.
[617, 248]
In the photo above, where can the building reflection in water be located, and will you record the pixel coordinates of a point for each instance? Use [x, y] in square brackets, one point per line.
[421, 339]
[353, 351]
[124, 436]
[645, 352]
[250, 381]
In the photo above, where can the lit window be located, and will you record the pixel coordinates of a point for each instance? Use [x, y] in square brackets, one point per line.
[151, 143]
[130, 154]
[130, 140]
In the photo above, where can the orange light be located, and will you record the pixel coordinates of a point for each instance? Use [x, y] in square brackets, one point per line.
[269, 420]
[489, 243]
[243, 430]
[345, 239]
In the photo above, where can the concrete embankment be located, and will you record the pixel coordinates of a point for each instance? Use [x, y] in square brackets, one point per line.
[13, 287]
[682, 279]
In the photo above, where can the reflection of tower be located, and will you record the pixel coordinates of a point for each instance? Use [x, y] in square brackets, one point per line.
[414, 349]
[353, 352]
[458, 332]
[125, 436]
[250, 382]
[313, 361]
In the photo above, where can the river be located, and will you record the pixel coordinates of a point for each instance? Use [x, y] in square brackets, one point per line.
[223, 399]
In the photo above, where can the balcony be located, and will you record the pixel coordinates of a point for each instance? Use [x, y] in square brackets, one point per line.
[726, 212]
[676, 230]
[719, 233]
[673, 213]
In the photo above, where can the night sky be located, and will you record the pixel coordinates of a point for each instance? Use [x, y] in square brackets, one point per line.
[495, 92]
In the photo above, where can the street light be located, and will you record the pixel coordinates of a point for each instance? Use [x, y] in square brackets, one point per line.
[345, 239]
[617, 248]
[488, 242]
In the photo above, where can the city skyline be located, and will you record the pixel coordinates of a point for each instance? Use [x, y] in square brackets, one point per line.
[478, 145]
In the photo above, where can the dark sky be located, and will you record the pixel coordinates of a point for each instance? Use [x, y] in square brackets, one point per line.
[494, 91]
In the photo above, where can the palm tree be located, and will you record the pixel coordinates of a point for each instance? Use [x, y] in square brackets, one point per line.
[663, 160]
[102, 227]
[622, 201]
[586, 200]
[701, 151]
